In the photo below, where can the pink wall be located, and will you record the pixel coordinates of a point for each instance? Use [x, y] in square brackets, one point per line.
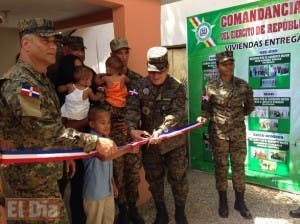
[139, 22]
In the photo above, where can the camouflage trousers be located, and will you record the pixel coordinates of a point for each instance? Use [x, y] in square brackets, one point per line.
[236, 150]
[127, 177]
[175, 162]
[125, 168]
[32, 194]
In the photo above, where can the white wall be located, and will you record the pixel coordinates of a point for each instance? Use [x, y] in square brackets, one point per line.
[96, 40]
[173, 17]
[9, 47]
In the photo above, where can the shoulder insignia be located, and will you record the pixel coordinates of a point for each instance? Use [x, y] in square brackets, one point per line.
[31, 91]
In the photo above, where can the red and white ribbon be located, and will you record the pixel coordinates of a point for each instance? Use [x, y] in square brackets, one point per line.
[42, 156]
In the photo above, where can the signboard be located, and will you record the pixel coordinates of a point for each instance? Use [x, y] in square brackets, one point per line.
[264, 37]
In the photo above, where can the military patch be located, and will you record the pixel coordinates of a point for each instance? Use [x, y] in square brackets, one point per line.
[133, 92]
[31, 91]
[30, 106]
[146, 91]
[205, 98]
[146, 110]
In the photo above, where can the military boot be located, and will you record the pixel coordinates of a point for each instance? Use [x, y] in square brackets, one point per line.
[240, 206]
[134, 215]
[180, 215]
[223, 205]
[123, 215]
[295, 213]
[162, 216]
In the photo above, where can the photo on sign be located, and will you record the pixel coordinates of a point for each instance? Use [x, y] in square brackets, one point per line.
[277, 155]
[210, 74]
[268, 124]
[268, 82]
[259, 71]
[268, 165]
[279, 112]
[279, 69]
[258, 153]
[260, 111]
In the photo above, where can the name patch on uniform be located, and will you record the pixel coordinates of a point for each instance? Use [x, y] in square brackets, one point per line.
[31, 91]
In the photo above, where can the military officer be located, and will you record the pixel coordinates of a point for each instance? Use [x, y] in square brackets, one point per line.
[227, 99]
[157, 106]
[127, 167]
[30, 119]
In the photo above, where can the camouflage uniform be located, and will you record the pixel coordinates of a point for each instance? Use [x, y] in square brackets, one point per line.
[161, 107]
[35, 123]
[226, 107]
[127, 167]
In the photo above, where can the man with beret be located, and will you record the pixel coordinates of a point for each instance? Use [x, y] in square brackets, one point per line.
[226, 102]
[127, 167]
[30, 119]
[158, 106]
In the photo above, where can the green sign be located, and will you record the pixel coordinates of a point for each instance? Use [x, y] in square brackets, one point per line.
[264, 37]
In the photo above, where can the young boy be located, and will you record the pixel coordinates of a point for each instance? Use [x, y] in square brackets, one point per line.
[98, 186]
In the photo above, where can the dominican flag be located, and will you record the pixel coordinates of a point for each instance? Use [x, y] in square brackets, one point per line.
[133, 92]
[28, 90]
[205, 98]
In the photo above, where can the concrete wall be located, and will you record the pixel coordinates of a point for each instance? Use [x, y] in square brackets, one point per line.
[9, 47]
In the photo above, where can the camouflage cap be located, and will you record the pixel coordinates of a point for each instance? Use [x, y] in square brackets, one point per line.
[74, 42]
[118, 43]
[224, 56]
[39, 26]
[157, 59]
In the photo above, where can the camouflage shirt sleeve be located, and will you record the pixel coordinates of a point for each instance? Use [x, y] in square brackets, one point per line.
[177, 111]
[36, 123]
[206, 105]
[133, 110]
[133, 78]
[249, 101]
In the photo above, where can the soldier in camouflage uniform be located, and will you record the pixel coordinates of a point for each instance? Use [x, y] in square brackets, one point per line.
[157, 106]
[74, 45]
[30, 119]
[226, 102]
[70, 53]
[127, 167]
